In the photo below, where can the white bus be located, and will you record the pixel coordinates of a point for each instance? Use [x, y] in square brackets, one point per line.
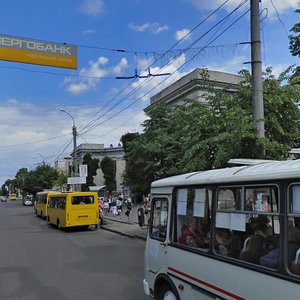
[231, 233]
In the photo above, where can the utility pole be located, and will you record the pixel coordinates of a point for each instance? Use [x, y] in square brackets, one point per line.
[257, 87]
[75, 162]
[42, 158]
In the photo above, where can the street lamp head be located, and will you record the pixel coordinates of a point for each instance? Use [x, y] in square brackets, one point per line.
[62, 110]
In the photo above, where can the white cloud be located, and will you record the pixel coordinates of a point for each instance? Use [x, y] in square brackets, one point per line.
[152, 27]
[280, 7]
[233, 65]
[92, 7]
[90, 77]
[118, 69]
[184, 33]
[24, 124]
[89, 31]
[152, 85]
[278, 69]
[139, 28]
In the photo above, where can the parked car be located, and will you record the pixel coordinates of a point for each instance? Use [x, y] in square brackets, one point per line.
[27, 201]
[3, 199]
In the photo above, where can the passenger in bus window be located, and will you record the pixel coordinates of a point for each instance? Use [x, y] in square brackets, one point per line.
[192, 236]
[223, 241]
[253, 249]
[261, 225]
[271, 259]
[256, 245]
[249, 204]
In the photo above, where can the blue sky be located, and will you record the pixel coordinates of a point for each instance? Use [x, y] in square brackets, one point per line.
[31, 125]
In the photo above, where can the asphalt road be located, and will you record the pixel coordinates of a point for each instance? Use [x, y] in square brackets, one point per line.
[38, 261]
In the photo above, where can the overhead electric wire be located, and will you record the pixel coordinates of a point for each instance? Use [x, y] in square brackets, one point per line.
[58, 156]
[56, 73]
[165, 79]
[128, 120]
[88, 126]
[133, 91]
[279, 19]
[158, 52]
[35, 142]
[142, 84]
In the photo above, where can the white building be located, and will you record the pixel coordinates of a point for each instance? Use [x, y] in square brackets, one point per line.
[191, 85]
[97, 151]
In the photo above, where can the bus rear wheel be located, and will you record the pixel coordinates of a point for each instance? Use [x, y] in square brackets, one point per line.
[58, 224]
[167, 293]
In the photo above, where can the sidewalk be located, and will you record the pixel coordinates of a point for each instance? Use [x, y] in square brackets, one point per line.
[128, 227]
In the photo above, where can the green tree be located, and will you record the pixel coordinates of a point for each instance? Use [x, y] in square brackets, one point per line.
[109, 173]
[195, 136]
[92, 166]
[9, 186]
[20, 179]
[61, 181]
[295, 51]
[43, 177]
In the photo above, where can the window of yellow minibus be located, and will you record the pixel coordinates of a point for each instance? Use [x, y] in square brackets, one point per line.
[41, 204]
[73, 209]
[13, 197]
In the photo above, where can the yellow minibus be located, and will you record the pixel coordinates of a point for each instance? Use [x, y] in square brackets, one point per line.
[73, 209]
[41, 203]
[13, 197]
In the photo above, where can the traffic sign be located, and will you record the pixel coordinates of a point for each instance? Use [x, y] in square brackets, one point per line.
[76, 180]
[83, 171]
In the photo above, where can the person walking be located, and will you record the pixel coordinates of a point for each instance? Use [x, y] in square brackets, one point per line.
[128, 210]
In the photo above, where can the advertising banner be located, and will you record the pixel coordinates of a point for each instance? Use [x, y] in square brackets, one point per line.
[19, 49]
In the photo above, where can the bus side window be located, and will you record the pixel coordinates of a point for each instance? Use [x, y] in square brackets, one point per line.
[191, 217]
[158, 228]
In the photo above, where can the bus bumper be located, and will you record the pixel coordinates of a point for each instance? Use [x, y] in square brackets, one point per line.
[146, 287]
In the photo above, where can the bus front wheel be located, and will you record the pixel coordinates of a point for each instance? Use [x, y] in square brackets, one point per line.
[167, 293]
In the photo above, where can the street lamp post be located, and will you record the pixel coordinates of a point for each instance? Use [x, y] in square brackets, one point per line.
[74, 131]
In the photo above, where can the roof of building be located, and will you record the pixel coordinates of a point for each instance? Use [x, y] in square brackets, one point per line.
[185, 86]
[95, 188]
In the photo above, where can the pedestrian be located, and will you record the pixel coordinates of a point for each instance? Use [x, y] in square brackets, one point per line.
[109, 203]
[146, 208]
[119, 205]
[128, 210]
[114, 208]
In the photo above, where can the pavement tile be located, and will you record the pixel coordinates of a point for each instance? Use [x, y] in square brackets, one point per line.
[125, 226]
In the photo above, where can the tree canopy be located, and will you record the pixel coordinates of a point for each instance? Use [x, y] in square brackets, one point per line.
[92, 166]
[197, 136]
[295, 51]
[31, 182]
[108, 168]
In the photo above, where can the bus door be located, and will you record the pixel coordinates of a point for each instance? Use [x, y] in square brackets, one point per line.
[157, 248]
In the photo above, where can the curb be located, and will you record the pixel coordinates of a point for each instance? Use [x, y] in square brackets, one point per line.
[118, 232]
[123, 233]
[119, 221]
